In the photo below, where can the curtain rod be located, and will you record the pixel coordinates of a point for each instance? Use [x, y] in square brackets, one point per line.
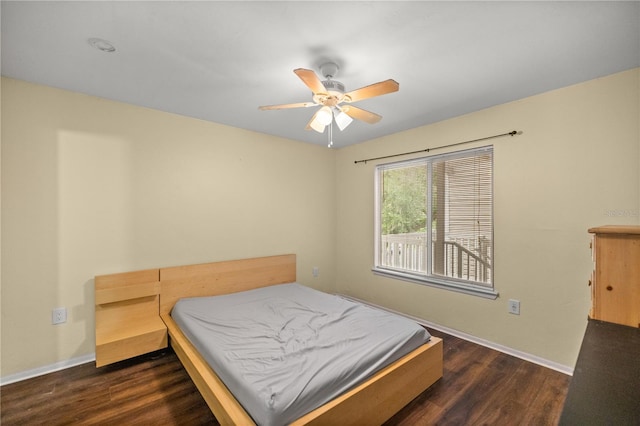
[511, 133]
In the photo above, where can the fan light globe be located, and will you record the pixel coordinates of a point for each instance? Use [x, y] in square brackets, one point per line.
[343, 120]
[324, 116]
[317, 126]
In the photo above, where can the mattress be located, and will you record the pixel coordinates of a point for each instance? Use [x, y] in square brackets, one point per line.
[287, 349]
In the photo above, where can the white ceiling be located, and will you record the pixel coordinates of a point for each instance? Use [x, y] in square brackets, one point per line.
[219, 61]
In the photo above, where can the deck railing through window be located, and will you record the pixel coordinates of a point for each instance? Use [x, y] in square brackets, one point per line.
[464, 259]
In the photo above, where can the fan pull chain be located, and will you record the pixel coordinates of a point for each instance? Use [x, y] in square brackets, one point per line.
[330, 132]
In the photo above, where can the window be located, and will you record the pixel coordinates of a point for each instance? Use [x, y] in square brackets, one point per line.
[434, 221]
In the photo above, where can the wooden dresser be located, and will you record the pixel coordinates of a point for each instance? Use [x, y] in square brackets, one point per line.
[605, 387]
[615, 286]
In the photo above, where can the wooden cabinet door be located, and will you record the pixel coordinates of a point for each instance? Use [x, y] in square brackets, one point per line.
[617, 280]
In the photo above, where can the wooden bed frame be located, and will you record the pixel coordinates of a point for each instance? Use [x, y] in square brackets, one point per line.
[371, 402]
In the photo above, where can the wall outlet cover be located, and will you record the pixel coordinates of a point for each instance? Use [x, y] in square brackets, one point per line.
[59, 316]
[514, 306]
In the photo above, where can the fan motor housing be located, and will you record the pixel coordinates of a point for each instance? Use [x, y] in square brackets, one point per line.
[333, 86]
[334, 95]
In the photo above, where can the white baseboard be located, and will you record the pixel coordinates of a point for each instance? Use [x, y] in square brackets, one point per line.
[60, 365]
[462, 335]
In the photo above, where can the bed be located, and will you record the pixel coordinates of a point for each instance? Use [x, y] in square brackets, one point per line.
[371, 400]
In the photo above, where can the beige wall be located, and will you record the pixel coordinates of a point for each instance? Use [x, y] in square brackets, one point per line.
[577, 159]
[91, 186]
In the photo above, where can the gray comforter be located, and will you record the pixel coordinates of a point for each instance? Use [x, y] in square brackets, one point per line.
[285, 350]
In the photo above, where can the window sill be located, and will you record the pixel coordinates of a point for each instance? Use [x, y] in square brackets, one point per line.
[438, 283]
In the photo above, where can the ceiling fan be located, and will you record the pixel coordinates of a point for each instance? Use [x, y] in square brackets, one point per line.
[331, 97]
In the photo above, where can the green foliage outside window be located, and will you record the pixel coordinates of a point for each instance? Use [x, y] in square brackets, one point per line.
[404, 205]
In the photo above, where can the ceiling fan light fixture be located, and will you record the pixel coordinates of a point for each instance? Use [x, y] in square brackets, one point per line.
[315, 125]
[342, 120]
[324, 116]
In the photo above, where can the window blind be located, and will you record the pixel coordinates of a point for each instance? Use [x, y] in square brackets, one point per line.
[462, 194]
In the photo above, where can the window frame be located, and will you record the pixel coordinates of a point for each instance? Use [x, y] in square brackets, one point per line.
[427, 278]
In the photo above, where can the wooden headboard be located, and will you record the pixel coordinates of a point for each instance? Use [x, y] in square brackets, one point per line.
[212, 279]
[129, 305]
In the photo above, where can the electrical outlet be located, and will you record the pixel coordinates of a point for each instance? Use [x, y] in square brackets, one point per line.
[514, 306]
[59, 315]
[315, 271]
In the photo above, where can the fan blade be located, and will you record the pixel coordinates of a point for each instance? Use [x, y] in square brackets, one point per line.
[375, 89]
[285, 106]
[311, 80]
[361, 114]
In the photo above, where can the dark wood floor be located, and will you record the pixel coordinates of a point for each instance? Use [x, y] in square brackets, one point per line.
[480, 387]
